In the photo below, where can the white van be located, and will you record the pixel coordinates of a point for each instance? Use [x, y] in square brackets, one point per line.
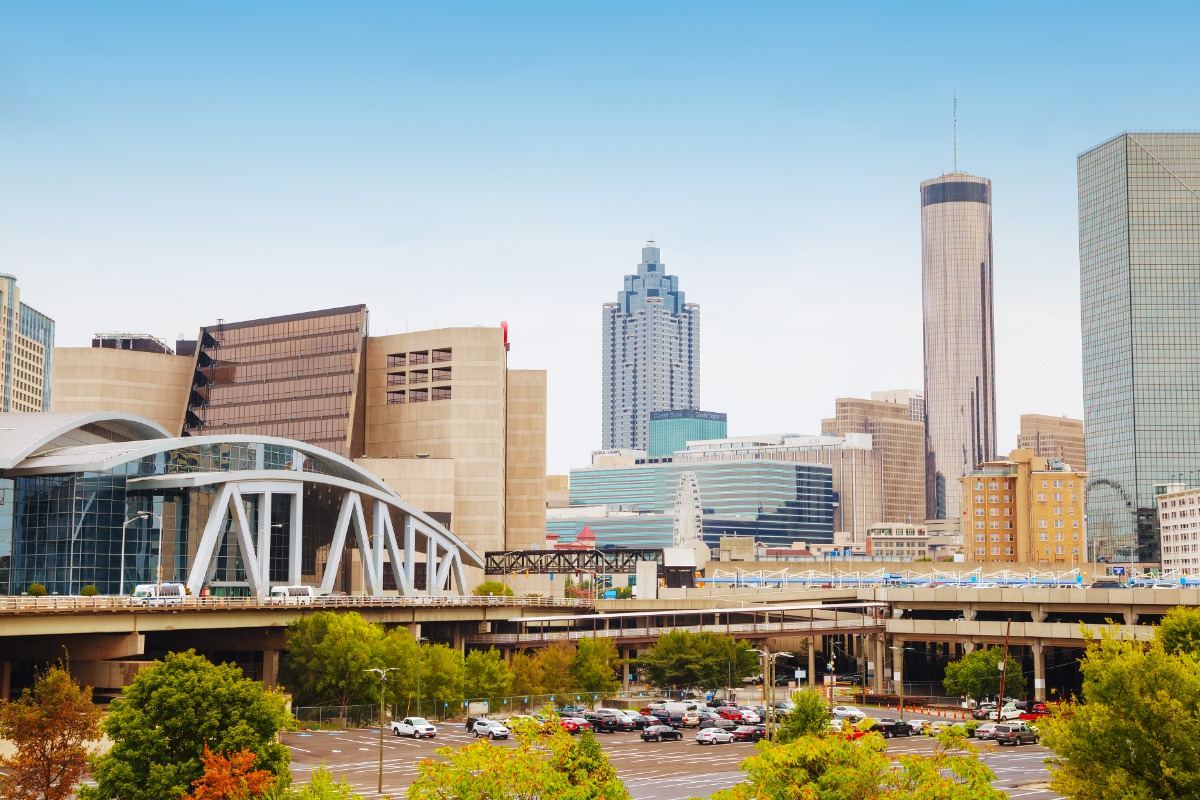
[292, 595]
[159, 594]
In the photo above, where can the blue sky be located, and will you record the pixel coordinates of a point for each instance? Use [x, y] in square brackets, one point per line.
[165, 165]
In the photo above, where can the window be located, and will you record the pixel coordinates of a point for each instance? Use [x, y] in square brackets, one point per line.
[1058, 484]
[979, 524]
[978, 498]
[1058, 497]
[995, 537]
[441, 374]
[418, 357]
[418, 395]
[1008, 551]
[1074, 523]
[995, 498]
[1058, 551]
[979, 512]
[1058, 537]
[418, 376]
[979, 551]
[1045, 484]
[1058, 509]
[993, 486]
[994, 524]
[1041, 496]
[996, 550]
[980, 537]
[397, 360]
[1043, 536]
[395, 379]
[441, 393]
[979, 485]
[441, 354]
[395, 398]
[1058, 523]
[1043, 524]
[1008, 524]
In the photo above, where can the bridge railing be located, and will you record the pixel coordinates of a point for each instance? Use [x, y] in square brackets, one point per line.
[25, 604]
[798, 626]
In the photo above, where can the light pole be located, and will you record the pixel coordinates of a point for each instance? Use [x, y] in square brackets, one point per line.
[898, 652]
[829, 678]
[419, 654]
[382, 673]
[124, 526]
[769, 680]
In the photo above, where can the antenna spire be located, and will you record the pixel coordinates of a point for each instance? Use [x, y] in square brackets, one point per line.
[956, 132]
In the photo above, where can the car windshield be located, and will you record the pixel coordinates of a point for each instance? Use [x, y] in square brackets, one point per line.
[419, 721]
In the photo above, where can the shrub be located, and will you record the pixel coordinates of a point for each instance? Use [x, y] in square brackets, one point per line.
[89, 591]
[36, 590]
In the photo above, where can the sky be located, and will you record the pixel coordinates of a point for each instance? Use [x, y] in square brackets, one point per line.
[165, 165]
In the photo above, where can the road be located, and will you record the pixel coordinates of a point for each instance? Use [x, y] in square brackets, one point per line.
[676, 771]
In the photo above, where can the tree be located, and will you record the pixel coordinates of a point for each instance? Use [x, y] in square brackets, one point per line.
[50, 727]
[594, 666]
[441, 676]
[837, 768]
[230, 777]
[36, 590]
[171, 711]
[327, 658]
[493, 589]
[400, 650]
[706, 660]
[321, 786]
[977, 675]
[526, 675]
[554, 663]
[1133, 734]
[810, 717]
[546, 762]
[486, 675]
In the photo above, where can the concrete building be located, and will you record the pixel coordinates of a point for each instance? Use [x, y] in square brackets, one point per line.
[130, 373]
[27, 345]
[437, 414]
[1025, 509]
[911, 397]
[1179, 524]
[1053, 437]
[898, 542]
[670, 431]
[1138, 250]
[898, 439]
[960, 392]
[651, 354]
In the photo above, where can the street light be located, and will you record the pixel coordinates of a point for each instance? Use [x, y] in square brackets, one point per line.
[419, 640]
[769, 680]
[829, 678]
[382, 673]
[138, 515]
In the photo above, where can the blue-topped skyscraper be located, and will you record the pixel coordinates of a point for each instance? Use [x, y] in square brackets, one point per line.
[651, 353]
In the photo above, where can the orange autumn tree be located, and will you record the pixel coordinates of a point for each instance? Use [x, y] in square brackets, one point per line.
[230, 777]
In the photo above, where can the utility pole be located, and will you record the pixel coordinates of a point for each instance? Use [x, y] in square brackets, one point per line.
[1003, 673]
[382, 673]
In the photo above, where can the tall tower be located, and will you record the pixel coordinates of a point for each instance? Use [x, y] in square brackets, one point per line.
[26, 351]
[651, 353]
[960, 393]
[1139, 251]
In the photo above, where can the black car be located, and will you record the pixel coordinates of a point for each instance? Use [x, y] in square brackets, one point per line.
[749, 733]
[642, 721]
[605, 721]
[891, 727]
[656, 733]
[713, 721]
[666, 717]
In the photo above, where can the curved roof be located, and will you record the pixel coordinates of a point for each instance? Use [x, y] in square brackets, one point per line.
[25, 434]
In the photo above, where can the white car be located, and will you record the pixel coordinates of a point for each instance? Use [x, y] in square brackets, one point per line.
[416, 727]
[986, 731]
[491, 729]
[750, 716]
[714, 736]
[842, 712]
[1005, 714]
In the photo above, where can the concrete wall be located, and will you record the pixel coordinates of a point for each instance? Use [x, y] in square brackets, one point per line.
[525, 484]
[151, 385]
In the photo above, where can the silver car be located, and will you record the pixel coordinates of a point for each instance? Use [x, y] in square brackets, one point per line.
[491, 729]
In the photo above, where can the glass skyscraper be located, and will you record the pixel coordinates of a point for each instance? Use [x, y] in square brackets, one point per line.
[670, 431]
[651, 353]
[960, 393]
[1139, 270]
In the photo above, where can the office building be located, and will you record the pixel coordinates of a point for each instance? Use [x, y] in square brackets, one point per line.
[897, 432]
[670, 431]
[1053, 437]
[1024, 508]
[1139, 246]
[27, 340]
[898, 542]
[910, 397]
[1179, 526]
[131, 373]
[960, 393]
[650, 354]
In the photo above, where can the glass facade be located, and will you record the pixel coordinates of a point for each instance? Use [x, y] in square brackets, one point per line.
[296, 377]
[651, 354]
[1139, 249]
[775, 502]
[670, 431]
[960, 394]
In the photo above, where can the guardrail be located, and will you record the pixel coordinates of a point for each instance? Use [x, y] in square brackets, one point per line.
[856, 624]
[63, 604]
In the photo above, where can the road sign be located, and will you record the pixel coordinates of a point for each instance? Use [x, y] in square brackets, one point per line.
[1118, 570]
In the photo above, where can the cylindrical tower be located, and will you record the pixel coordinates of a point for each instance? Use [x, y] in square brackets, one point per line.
[960, 394]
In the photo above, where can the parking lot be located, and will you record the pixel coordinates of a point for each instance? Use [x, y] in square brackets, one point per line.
[678, 769]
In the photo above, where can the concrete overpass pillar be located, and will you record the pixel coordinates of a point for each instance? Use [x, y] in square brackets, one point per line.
[880, 664]
[897, 664]
[1039, 671]
[625, 667]
[812, 661]
[270, 669]
[415, 629]
[5, 679]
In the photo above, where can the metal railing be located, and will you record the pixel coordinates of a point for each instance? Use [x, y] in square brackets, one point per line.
[13, 604]
[797, 626]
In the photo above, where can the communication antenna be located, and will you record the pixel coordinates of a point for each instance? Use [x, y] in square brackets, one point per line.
[956, 133]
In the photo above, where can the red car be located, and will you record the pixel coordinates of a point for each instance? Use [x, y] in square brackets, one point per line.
[574, 725]
[730, 713]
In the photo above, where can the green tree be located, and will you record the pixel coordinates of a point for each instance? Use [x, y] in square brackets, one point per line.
[486, 675]
[594, 667]
[554, 664]
[546, 763]
[837, 768]
[810, 717]
[1180, 631]
[50, 727]
[327, 658]
[171, 711]
[977, 675]
[1133, 735]
[441, 678]
[493, 589]
[400, 650]
[526, 675]
[321, 786]
[706, 660]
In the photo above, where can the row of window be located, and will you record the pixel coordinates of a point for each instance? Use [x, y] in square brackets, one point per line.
[435, 356]
[418, 395]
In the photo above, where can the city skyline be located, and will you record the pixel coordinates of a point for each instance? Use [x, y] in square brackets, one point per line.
[470, 155]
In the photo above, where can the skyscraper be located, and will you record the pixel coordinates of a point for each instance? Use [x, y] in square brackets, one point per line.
[651, 353]
[1139, 252]
[27, 342]
[960, 393]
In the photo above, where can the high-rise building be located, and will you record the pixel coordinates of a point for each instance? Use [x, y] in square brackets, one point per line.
[1053, 437]
[960, 393]
[898, 439]
[911, 397]
[1024, 508]
[1178, 507]
[651, 354]
[670, 431]
[1139, 244]
[27, 341]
